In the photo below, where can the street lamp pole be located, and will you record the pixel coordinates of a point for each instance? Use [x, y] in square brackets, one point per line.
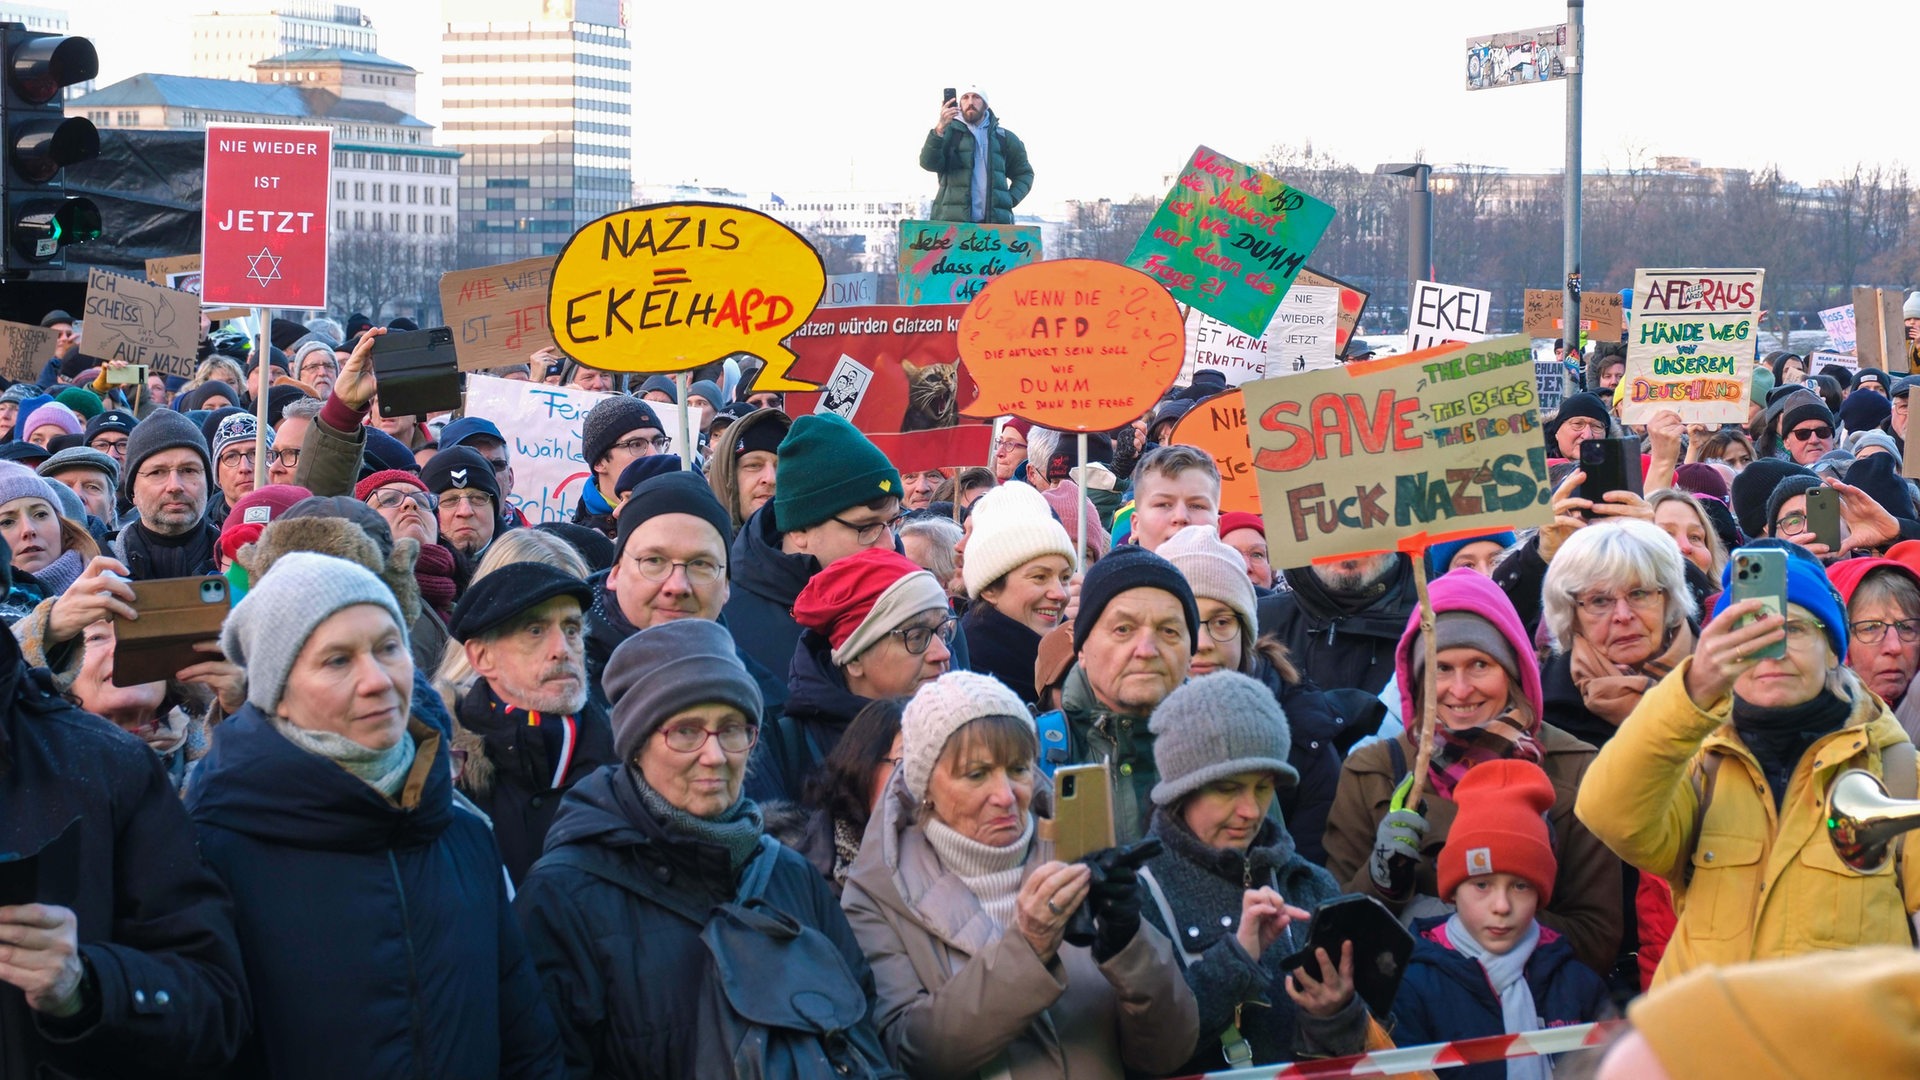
[1419, 219]
[1570, 245]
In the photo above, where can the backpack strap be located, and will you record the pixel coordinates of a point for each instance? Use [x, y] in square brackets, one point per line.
[1703, 780]
[1399, 759]
[1187, 959]
[1054, 746]
[753, 883]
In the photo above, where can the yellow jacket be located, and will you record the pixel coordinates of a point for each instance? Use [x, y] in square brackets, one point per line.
[1765, 883]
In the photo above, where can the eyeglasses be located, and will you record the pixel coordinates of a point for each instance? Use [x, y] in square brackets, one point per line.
[1637, 599]
[328, 367]
[691, 738]
[238, 458]
[286, 459]
[479, 500]
[1805, 433]
[637, 444]
[1005, 446]
[1872, 630]
[1583, 425]
[388, 498]
[660, 568]
[869, 532]
[1803, 631]
[1223, 628]
[918, 638]
[109, 446]
[1793, 524]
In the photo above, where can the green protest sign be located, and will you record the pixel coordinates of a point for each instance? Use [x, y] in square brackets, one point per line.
[1399, 453]
[1229, 240]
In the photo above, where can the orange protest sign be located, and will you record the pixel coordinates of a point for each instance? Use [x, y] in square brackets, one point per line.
[1072, 344]
[1218, 425]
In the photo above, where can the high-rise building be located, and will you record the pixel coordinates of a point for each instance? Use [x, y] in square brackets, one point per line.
[538, 95]
[226, 45]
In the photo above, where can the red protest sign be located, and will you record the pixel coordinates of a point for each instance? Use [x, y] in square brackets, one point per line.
[263, 228]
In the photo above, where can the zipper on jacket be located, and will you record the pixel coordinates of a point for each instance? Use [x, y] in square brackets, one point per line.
[413, 969]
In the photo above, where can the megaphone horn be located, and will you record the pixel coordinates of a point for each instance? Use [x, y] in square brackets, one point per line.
[1863, 820]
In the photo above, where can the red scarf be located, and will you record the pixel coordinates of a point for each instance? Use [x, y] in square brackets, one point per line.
[433, 570]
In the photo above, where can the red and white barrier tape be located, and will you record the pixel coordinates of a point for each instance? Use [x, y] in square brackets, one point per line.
[1444, 1055]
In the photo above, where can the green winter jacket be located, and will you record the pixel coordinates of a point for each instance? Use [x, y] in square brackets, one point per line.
[950, 153]
[1095, 734]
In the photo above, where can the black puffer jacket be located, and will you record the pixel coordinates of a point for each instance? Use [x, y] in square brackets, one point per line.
[1312, 724]
[616, 938]
[1340, 646]
[766, 581]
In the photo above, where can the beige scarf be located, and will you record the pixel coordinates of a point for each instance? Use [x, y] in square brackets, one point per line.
[1611, 690]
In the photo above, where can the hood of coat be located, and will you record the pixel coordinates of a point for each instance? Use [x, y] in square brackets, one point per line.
[724, 470]
[605, 809]
[817, 688]
[342, 539]
[256, 783]
[1380, 617]
[761, 568]
[1466, 590]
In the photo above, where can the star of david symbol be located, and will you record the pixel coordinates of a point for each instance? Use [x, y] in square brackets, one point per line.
[267, 260]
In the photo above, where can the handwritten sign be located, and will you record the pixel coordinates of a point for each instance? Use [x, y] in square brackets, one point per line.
[498, 314]
[1443, 313]
[893, 373]
[1602, 316]
[24, 350]
[1841, 333]
[1880, 331]
[1300, 338]
[542, 426]
[945, 262]
[1230, 240]
[128, 319]
[672, 286]
[849, 290]
[1072, 344]
[1692, 345]
[1400, 452]
[1820, 359]
[1549, 383]
[1218, 425]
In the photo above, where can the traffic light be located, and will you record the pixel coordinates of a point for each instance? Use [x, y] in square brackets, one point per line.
[41, 141]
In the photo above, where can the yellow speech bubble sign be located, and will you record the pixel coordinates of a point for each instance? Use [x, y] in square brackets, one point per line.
[671, 286]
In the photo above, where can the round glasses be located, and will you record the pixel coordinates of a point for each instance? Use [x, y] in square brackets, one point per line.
[692, 738]
[1637, 599]
[660, 568]
[917, 639]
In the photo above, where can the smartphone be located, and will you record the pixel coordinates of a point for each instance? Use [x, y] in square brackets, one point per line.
[947, 96]
[131, 375]
[1082, 811]
[1610, 465]
[1823, 517]
[19, 880]
[416, 372]
[175, 614]
[1761, 574]
[1381, 947]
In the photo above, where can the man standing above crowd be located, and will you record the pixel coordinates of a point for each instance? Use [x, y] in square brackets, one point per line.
[982, 166]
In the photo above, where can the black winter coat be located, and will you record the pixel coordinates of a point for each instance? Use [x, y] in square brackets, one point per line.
[618, 945]
[378, 938]
[1340, 649]
[515, 784]
[766, 582]
[1312, 724]
[168, 997]
[1002, 647]
[819, 708]
[607, 628]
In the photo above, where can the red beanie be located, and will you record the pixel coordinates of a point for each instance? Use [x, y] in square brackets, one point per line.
[384, 477]
[838, 599]
[1500, 828]
[255, 510]
[1240, 519]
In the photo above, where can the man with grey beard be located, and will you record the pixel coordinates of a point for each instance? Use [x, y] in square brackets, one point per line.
[1341, 621]
[524, 729]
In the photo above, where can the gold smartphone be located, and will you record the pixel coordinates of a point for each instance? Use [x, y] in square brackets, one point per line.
[1082, 811]
[175, 614]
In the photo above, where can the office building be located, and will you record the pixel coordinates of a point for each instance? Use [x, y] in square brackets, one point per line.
[226, 45]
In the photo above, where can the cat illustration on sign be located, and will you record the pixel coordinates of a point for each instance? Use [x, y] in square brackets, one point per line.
[931, 399]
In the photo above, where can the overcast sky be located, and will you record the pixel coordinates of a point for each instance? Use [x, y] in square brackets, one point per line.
[808, 96]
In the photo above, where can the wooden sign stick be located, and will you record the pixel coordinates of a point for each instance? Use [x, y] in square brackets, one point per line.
[1080, 545]
[1429, 693]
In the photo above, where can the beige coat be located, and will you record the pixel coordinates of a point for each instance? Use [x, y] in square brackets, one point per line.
[958, 998]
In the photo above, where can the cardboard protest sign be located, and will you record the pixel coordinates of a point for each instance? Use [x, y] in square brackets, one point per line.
[1540, 313]
[1399, 453]
[498, 314]
[128, 319]
[1820, 359]
[1692, 344]
[1549, 383]
[1353, 301]
[25, 349]
[1218, 425]
[1072, 344]
[542, 426]
[1442, 313]
[1602, 316]
[1841, 333]
[1880, 332]
[1230, 240]
[177, 272]
[1300, 338]
[892, 372]
[949, 262]
[671, 286]
[851, 290]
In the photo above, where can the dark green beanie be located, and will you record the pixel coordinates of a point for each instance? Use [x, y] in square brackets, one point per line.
[81, 400]
[825, 466]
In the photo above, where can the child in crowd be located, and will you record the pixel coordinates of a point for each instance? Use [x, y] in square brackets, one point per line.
[1489, 968]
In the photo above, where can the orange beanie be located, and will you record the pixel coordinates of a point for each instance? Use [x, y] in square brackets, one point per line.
[1501, 827]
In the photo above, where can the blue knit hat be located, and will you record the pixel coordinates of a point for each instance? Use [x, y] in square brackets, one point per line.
[1439, 555]
[1807, 586]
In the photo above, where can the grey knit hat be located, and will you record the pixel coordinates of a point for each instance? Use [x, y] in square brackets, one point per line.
[664, 670]
[19, 482]
[609, 421]
[163, 429]
[265, 632]
[66, 502]
[74, 457]
[942, 707]
[1467, 630]
[18, 393]
[1217, 726]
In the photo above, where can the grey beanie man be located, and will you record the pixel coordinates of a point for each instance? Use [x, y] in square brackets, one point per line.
[1217, 726]
[266, 631]
[163, 429]
[665, 670]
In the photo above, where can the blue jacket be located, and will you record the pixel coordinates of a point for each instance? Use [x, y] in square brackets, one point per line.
[1446, 995]
[378, 939]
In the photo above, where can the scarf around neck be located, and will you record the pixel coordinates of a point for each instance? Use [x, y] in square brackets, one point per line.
[991, 873]
[1611, 691]
[1508, 735]
[61, 572]
[383, 770]
[1780, 737]
[1508, 976]
[433, 570]
[736, 830]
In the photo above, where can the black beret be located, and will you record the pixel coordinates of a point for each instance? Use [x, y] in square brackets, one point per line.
[510, 590]
[673, 493]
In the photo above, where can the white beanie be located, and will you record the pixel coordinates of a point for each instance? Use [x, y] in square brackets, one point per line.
[1911, 309]
[942, 707]
[266, 630]
[1012, 526]
[1215, 570]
